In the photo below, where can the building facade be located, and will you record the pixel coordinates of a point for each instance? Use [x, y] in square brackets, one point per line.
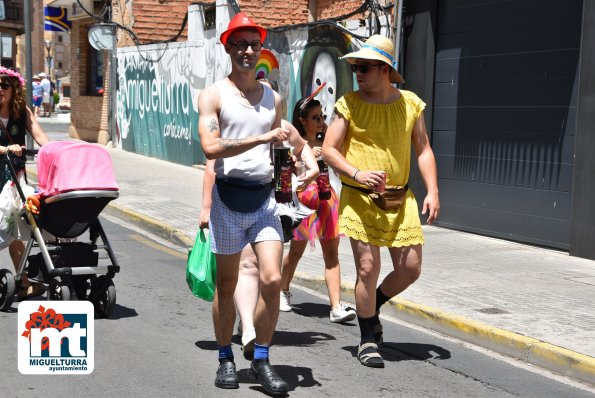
[509, 110]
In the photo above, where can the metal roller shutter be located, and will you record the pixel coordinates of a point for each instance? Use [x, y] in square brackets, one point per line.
[504, 116]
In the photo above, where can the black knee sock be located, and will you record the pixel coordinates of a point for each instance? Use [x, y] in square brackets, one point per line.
[366, 328]
[380, 298]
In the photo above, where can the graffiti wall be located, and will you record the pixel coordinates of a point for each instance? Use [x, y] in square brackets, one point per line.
[158, 86]
[156, 101]
[309, 57]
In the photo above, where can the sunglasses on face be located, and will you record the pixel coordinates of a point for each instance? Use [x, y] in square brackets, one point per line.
[5, 85]
[363, 68]
[243, 45]
[318, 118]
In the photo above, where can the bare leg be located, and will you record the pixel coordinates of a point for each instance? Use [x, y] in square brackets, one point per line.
[367, 264]
[224, 311]
[290, 262]
[406, 269]
[332, 270]
[247, 290]
[267, 311]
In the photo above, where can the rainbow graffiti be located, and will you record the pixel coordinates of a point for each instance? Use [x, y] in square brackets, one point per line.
[266, 63]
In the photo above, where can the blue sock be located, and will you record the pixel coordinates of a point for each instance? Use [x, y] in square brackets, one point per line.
[261, 352]
[225, 352]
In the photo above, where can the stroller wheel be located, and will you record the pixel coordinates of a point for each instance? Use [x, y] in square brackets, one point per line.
[7, 289]
[82, 286]
[103, 296]
[59, 291]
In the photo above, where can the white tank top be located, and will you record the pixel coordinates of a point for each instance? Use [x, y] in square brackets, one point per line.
[238, 120]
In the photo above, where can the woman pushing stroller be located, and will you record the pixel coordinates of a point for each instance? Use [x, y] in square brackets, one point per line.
[16, 120]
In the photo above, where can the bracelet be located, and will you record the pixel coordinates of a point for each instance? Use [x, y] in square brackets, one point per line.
[355, 175]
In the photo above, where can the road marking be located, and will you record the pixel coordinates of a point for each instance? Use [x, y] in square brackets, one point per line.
[157, 246]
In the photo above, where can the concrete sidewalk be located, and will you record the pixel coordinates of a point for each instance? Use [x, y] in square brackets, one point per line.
[526, 302]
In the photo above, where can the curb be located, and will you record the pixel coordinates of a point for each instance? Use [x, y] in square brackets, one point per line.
[526, 349]
[149, 223]
[157, 227]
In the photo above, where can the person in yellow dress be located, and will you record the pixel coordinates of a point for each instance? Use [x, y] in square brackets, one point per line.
[369, 145]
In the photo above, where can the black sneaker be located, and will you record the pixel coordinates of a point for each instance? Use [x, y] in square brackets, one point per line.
[266, 375]
[227, 376]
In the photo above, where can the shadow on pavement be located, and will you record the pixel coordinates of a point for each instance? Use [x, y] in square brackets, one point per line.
[396, 352]
[121, 312]
[417, 351]
[210, 345]
[299, 339]
[295, 376]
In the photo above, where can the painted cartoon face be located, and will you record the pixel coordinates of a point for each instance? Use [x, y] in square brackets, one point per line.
[324, 71]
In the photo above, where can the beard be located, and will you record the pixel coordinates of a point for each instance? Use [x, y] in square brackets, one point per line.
[245, 63]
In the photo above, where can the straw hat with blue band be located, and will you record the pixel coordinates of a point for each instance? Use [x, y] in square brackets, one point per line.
[378, 48]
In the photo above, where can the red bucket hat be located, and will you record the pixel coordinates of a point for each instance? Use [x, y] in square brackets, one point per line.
[242, 21]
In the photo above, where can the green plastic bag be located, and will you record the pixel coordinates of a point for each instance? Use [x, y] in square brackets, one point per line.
[201, 268]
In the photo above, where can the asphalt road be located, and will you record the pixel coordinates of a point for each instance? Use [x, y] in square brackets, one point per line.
[160, 342]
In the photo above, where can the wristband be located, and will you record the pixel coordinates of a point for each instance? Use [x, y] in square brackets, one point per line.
[355, 175]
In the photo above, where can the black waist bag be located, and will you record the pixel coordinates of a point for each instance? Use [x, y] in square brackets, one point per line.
[243, 196]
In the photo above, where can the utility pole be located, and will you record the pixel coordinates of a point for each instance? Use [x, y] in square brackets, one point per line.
[28, 62]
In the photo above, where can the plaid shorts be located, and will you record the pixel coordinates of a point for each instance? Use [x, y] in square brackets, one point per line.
[231, 230]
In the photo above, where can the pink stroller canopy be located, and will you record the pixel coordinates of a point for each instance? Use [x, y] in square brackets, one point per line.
[64, 166]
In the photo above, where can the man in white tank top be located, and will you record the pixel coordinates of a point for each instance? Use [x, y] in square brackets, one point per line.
[239, 118]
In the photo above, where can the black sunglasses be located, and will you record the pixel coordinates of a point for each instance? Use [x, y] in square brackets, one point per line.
[4, 85]
[243, 45]
[364, 68]
[318, 118]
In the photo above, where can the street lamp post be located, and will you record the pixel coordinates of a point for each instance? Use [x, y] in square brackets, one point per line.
[49, 58]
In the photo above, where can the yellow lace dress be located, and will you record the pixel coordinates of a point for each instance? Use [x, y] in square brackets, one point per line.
[379, 138]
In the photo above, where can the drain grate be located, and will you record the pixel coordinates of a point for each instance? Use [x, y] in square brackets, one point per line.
[492, 310]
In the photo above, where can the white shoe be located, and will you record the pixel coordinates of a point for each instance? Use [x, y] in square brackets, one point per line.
[285, 304]
[342, 313]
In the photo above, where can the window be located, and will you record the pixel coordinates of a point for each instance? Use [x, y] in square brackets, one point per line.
[95, 72]
[60, 65]
[210, 17]
[6, 49]
[60, 39]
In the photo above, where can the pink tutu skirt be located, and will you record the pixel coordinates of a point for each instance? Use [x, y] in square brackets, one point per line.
[323, 224]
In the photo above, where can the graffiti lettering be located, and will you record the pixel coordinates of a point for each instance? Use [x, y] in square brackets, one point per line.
[149, 96]
[178, 132]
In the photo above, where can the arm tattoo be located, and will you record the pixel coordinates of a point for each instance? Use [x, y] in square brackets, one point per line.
[213, 125]
[227, 143]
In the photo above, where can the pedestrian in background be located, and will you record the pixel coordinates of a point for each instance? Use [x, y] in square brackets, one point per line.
[37, 94]
[16, 120]
[46, 94]
[322, 224]
[369, 145]
[240, 119]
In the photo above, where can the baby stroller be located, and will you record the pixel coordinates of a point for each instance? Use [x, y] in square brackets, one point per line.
[76, 182]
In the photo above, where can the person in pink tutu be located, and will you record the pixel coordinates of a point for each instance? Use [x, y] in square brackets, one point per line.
[322, 224]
